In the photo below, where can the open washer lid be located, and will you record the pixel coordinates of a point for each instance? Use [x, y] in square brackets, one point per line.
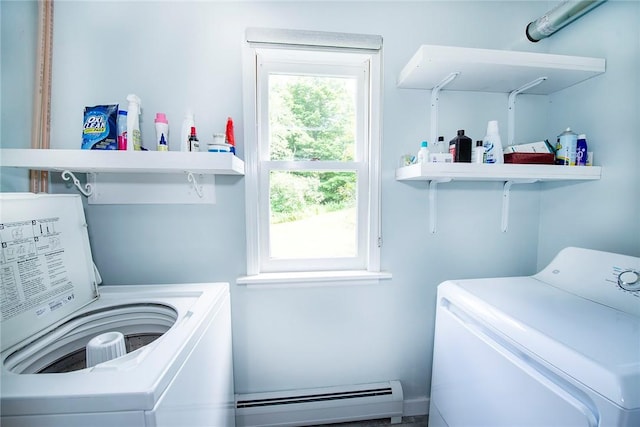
[47, 268]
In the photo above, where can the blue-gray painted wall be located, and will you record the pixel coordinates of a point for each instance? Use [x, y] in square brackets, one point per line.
[176, 55]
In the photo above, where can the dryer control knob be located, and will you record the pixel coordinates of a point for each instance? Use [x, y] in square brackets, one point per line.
[629, 280]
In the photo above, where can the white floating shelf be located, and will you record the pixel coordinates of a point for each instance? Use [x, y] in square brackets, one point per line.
[106, 161]
[486, 70]
[158, 177]
[496, 172]
[508, 173]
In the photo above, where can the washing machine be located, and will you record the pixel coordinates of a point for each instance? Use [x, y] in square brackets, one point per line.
[74, 353]
[559, 348]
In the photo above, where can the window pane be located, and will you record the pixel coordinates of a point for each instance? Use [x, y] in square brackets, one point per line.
[313, 214]
[312, 117]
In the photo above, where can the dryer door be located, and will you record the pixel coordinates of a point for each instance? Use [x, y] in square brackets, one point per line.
[480, 378]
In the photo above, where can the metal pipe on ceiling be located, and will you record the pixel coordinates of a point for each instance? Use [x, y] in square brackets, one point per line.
[559, 17]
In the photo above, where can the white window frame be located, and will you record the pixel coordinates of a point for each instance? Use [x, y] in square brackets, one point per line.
[299, 51]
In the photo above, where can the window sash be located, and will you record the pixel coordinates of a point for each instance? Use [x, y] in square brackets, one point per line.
[360, 72]
[359, 261]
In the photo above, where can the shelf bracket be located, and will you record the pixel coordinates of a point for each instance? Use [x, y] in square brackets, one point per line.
[433, 187]
[434, 104]
[198, 188]
[506, 190]
[511, 119]
[87, 190]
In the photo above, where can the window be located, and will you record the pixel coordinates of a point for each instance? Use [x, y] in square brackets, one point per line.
[312, 152]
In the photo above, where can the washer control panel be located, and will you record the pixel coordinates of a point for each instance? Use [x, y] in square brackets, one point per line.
[603, 277]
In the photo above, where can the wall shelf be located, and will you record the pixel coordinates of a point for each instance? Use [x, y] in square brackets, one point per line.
[85, 161]
[495, 172]
[509, 174]
[133, 177]
[485, 70]
[435, 68]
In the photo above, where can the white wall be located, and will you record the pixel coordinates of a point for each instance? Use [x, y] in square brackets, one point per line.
[603, 215]
[176, 55]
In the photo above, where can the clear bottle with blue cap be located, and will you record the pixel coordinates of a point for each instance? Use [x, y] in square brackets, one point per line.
[423, 154]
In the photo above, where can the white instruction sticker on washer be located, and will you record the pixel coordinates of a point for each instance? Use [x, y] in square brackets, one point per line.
[34, 271]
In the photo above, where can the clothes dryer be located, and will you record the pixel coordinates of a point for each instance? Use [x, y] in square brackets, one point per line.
[560, 348]
[172, 365]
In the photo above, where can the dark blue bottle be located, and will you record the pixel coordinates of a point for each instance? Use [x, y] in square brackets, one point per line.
[581, 150]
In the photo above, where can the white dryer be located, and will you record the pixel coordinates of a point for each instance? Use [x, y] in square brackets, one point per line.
[162, 352]
[560, 348]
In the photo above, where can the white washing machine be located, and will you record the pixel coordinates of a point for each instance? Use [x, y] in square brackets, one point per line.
[560, 348]
[159, 355]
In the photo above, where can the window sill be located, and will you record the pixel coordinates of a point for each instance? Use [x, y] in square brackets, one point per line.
[313, 278]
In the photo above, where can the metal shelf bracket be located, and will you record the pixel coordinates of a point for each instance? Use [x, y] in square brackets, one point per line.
[511, 116]
[435, 92]
[192, 179]
[506, 190]
[433, 187]
[151, 188]
[88, 188]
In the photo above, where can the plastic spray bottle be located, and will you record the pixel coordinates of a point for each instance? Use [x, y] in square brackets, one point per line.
[162, 132]
[187, 123]
[134, 138]
[493, 151]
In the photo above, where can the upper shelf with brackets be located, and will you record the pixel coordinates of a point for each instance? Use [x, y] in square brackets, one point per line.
[133, 177]
[435, 68]
[107, 161]
[487, 70]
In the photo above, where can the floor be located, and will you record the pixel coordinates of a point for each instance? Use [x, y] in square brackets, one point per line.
[406, 422]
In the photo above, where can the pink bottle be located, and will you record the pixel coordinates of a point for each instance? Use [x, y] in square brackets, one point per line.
[162, 132]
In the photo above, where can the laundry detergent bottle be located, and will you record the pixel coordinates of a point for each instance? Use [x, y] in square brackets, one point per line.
[493, 151]
[162, 132]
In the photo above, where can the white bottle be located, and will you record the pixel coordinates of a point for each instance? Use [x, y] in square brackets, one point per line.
[187, 123]
[493, 152]
[423, 154]
[478, 153]
[134, 138]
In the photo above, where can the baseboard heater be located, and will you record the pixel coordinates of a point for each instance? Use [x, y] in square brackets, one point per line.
[321, 405]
